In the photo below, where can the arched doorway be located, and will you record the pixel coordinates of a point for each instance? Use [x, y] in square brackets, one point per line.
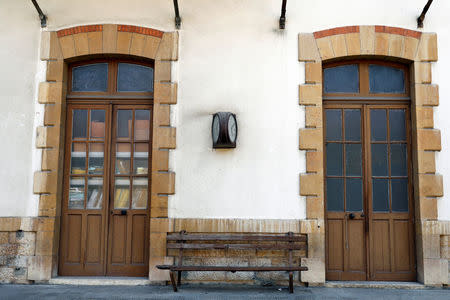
[106, 190]
[369, 206]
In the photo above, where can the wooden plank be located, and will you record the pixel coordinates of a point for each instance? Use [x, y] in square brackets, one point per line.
[233, 237]
[237, 246]
[231, 268]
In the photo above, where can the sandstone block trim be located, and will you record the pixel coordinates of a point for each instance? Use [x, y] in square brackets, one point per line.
[366, 40]
[369, 41]
[70, 43]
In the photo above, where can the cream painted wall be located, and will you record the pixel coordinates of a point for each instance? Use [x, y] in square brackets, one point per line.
[19, 40]
[233, 58]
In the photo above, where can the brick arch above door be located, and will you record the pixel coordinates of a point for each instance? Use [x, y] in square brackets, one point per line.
[70, 44]
[380, 42]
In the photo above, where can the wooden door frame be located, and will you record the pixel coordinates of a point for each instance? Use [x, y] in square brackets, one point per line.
[419, 51]
[366, 171]
[59, 48]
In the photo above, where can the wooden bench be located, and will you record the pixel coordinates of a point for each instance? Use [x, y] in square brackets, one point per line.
[217, 241]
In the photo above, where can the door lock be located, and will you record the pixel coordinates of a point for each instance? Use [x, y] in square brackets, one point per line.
[122, 212]
[351, 216]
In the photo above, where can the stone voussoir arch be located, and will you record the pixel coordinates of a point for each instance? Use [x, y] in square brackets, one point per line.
[57, 47]
[417, 49]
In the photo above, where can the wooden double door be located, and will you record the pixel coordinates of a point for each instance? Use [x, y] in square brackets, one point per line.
[105, 210]
[368, 192]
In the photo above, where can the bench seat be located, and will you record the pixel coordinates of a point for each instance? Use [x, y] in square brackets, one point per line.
[287, 243]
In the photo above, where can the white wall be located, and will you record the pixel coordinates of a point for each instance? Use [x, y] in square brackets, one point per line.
[233, 58]
[19, 46]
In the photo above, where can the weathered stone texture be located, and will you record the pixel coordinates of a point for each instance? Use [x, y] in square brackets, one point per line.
[16, 248]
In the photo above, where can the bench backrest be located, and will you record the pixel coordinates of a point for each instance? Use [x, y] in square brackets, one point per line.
[224, 241]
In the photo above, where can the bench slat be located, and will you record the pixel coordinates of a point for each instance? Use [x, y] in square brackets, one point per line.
[230, 268]
[233, 237]
[236, 246]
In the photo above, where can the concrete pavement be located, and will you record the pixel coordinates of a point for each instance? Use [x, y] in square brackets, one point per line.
[38, 291]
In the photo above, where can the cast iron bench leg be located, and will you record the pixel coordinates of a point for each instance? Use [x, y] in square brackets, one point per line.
[291, 283]
[179, 278]
[174, 284]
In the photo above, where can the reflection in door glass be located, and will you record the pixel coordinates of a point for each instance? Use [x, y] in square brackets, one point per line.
[122, 193]
[142, 125]
[124, 118]
[78, 159]
[140, 193]
[123, 158]
[97, 124]
[140, 158]
[96, 157]
[76, 193]
[95, 193]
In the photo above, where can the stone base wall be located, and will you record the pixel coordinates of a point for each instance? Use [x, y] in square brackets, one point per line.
[445, 252]
[16, 249]
[25, 252]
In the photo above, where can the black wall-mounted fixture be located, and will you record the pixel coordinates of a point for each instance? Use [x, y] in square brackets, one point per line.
[283, 15]
[42, 17]
[224, 130]
[422, 15]
[177, 14]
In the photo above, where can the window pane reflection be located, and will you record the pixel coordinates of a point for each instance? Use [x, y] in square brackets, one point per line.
[122, 193]
[95, 193]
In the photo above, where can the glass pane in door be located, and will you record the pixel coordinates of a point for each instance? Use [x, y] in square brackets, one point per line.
[121, 193]
[344, 189]
[132, 150]
[389, 155]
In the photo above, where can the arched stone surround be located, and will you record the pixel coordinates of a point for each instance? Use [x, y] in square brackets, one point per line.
[381, 42]
[58, 47]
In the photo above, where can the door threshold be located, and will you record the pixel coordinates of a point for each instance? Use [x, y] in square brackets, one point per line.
[376, 285]
[99, 280]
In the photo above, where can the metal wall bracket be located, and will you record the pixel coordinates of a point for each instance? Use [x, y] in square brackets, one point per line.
[177, 14]
[283, 15]
[41, 14]
[422, 15]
